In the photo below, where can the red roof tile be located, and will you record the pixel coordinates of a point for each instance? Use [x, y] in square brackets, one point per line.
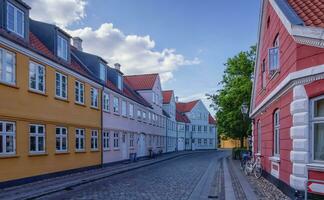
[167, 96]
[186, 107]
[310, 11]
[211, 120]
[182, 118]
[142, 82]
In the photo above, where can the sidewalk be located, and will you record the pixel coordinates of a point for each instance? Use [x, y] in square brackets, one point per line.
[47, 186]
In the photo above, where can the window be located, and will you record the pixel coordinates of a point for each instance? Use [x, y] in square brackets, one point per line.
[263, 75]
[131, 110]
[139, 114]
[276, 136]
[193, 128]
[199, 128]
[36, 77]
[94, 97]
[116, 105]
[153, 97]
[157, 99]
[79, 140]
[7, 67]
[36, 138]
[7, 138]
[131, 140]
[62, 47]
[106, 140]
[120, 82]
[124, 108]
[317, 121]
[61, 85]
[94, 140]
[79, 92]
[144, 115]
[116, 140]
[259, 136]
[205, 128]
[210, 141]
[106, 102]
[274, 56]
[102, 72]
[15, 20]
[205, 141]
[149, 117]
[199, 141]
[61, 139]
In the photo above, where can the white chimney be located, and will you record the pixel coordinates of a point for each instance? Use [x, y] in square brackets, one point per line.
[77, 43]
[117, 66]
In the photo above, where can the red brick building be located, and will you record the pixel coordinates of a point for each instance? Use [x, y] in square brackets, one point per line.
[288, 92]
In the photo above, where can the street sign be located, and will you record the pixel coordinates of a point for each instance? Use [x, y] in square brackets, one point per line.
[316, 187]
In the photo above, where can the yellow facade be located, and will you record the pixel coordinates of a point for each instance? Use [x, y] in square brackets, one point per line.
[228, 143]
[18, 104]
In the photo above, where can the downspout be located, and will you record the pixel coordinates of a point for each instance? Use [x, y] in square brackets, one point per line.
[101, 134]
[166, 135]
[177, 139]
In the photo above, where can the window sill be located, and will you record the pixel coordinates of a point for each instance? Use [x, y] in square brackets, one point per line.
[106, 111]
[95, 150]
[116, 149]
[62, 99]
[124, 116]
[80, 151]
[117, 114]
[38, 92]
[9, 84]
[37, 154]
[61, 152]
[316, 166]
[108, 149]
[80, 104]
[274, 74]
[94, 108]
[6, 156]
[275, 159]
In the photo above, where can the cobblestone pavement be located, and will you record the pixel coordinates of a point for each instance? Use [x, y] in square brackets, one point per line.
[174, 179]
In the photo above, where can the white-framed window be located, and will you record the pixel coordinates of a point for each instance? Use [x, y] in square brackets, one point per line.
[205, 141]
[193, 128]
[259, 136]
[15, 20]
[7, 138]
[79, 92]
[317, 122]
[210, 141]
[274, 56]
[116, 105]
[205, 128]
[106, 102]
[94, 140]
[144, 115]
[62, 47]
[153, 97]
[36, 77]
[106, 140]
[61, 139]
[124, 108]
[131, 139]
[79, 139]
[199, 128]
[102, 72]
[116, 140]
[131, 110]
[139, 114]
[94, 97]
[7, 66]
[149, 117]
[199, 141]
[120, 82]
[276, 133]
[157, 99]
[36, 138]
[60, 85]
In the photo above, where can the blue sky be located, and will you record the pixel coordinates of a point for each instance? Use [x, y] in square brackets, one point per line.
[201, 33]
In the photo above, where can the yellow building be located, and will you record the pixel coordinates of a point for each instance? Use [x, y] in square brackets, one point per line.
[228, 143]
[50, 110]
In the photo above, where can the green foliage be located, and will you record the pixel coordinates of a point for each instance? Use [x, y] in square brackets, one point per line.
[236, 90]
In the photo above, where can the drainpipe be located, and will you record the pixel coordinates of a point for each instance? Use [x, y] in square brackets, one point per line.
[101, 133]
[166, 134]
[177, 136]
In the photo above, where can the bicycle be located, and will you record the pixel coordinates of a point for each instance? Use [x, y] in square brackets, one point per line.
[254, 166]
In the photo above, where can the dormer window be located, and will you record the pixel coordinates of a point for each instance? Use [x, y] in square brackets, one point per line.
[15, 20]
[62, 47]
[102, 72]
[274, 56]
[120, 82]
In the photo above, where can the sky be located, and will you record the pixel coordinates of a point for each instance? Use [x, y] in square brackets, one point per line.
[186, 41]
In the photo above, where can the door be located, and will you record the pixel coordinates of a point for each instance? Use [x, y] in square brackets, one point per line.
[124, 148]
[141, 145]
[180, 144]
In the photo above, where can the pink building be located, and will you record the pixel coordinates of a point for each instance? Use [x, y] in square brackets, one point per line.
[288, 93]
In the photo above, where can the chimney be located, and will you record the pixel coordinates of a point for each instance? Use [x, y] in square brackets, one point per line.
[117, 66]
[177, 99]
[77, 43]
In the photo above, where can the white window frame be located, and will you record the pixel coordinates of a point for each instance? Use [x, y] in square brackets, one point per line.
[120, 82]
[124, 108]
[37, 136]
[4, 134]
[102, 72]
[276, 133]
[79, 136]
[315, 120]
[275, 51]
[15, 20]
[59, 85]
[106, 102]
[116, 105]
[106, 140]
[116, 140]
[94, 140]
[131, 139]
[61, 138]
[4, 67]
[131, 110]
[36, 70]
[94, 95]
[79, 92]
[63, 43]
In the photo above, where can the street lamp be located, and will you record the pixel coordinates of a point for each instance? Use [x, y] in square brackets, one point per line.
[244, 109]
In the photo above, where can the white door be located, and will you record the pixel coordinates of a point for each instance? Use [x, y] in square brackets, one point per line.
[180, 144]
[124, 148]
[141, 145]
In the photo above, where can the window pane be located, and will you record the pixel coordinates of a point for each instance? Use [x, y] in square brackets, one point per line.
[58, 85]
[40, 129]
[10, 17]
[9, 66]
[1, 144]
[20, 23]
[32, 143]
[40, 143]
[9, 144]
[319, 108]
[58, 141]
[319, 141]
[41, 78]
[9, 127]
[64, 146]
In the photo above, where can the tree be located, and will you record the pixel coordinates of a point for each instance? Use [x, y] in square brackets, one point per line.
[236, 90]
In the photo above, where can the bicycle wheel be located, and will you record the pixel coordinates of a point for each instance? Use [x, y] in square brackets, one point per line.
[247, 168]
[257, 172]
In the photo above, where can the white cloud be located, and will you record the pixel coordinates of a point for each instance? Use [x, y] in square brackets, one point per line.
[135, 53]
[60, 12]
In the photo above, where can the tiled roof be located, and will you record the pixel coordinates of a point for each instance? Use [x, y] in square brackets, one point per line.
[142, 82]
[310, 11]
[186, 107]
[211, 120]
[167, 96]
[182, 118]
